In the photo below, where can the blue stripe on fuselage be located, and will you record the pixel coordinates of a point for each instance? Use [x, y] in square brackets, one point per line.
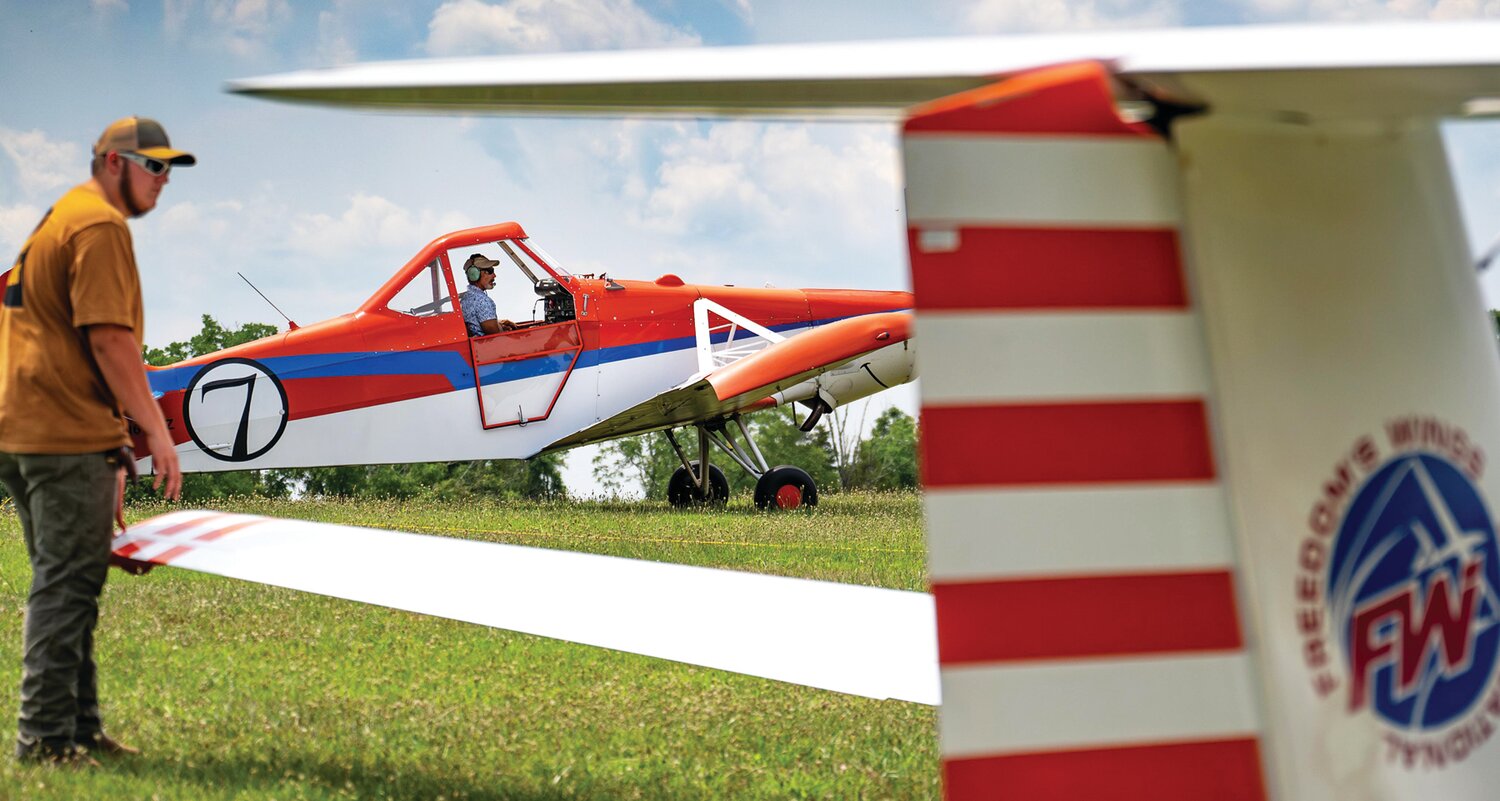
[448, 363]
[501, 372]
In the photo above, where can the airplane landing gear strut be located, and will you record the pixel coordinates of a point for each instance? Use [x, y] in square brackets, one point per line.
[690, 486]
[780, 487]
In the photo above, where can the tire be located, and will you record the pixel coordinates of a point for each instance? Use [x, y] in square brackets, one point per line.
[682, 490]
[784, 488]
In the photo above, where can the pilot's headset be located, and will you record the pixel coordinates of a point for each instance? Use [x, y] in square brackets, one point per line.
[475, 264]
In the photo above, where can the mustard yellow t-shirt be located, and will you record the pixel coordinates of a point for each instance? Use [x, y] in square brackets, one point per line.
[77, 269]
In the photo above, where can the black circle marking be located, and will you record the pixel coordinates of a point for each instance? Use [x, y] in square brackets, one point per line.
[236, 454]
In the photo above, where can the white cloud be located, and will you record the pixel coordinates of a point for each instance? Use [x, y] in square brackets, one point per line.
[175, 15]
[369, 222]
[706, 184]
[741, 9]
[210, 223]
[334, 46]
[751, 179]
[41, 163]
[998, 16]
[16, 223]
[241, 26]
[472, 27]
[1362, 10]
[105, 8]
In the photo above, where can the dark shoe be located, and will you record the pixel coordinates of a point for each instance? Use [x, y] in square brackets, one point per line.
[53, 753]
[101, 744]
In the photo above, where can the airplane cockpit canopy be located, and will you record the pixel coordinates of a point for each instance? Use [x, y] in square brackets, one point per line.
[425, 295]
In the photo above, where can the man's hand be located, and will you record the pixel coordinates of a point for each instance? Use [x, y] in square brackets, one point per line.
[164, 464]
[119, 358]
[120, 498]
[132, 566]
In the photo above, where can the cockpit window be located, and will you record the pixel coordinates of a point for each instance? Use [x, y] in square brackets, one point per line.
[520, 258]
[529, 250]
[425, 295]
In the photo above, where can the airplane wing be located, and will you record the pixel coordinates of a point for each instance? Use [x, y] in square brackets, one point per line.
[880, 80]
[866, 641]
[750, 381]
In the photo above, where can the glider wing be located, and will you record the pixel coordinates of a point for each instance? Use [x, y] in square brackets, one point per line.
[1403, 69]
[866, 641]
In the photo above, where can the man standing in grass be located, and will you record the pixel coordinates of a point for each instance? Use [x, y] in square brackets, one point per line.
[71, 325]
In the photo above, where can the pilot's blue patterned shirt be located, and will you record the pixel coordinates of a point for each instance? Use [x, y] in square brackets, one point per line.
[477, 308]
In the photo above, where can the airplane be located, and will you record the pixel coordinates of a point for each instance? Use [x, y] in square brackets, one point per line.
[400, 379]
[1215, 271]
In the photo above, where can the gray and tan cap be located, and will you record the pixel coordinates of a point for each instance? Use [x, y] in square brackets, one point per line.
[144, 136]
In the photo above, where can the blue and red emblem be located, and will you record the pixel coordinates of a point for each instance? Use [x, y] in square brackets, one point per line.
[1411, 592]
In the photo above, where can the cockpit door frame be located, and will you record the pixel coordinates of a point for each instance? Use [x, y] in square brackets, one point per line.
[523, 359]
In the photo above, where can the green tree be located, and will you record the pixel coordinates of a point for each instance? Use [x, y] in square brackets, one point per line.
[887, 459]
[539, 477]
[646, 461]
[213, 337]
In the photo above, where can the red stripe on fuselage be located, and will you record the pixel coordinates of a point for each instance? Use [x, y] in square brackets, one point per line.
[313, 397]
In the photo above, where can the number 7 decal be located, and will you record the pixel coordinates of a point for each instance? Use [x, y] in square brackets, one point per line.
[231, 426]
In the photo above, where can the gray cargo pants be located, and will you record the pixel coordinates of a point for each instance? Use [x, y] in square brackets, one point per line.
[66, 506]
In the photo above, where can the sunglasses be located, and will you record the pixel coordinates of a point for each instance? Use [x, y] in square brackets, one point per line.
[490, 270]
[150, 165]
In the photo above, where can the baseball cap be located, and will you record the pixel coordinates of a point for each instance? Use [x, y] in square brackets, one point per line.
[144, 136]
[481, 261]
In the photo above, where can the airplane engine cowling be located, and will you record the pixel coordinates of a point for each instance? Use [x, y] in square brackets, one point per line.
[860, 378]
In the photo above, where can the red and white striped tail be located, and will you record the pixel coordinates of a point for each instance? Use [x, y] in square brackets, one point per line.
[1081, 558]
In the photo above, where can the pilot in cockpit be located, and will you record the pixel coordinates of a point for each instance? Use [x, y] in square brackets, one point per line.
[479, 310]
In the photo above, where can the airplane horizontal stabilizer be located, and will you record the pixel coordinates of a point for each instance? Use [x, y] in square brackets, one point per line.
[865, 641]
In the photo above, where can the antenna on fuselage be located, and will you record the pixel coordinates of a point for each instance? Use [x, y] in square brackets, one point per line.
[291, 326]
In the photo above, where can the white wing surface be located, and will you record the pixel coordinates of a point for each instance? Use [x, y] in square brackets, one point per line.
[1403, 69]
[864, 641]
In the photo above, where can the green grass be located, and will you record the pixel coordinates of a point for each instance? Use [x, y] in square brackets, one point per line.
[239, 691]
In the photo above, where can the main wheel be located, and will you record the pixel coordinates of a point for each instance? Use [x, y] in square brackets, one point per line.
[683, 490]
[785, 487]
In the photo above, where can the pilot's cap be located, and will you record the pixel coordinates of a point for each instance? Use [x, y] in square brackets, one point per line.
[144, 136]
[481, 262]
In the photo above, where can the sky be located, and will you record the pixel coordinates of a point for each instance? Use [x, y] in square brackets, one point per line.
[318, 206]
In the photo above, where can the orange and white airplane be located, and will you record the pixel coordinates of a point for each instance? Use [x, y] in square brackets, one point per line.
[1215, 521]
[401, 380]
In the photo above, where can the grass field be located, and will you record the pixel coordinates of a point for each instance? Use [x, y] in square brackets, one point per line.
[238, 691]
